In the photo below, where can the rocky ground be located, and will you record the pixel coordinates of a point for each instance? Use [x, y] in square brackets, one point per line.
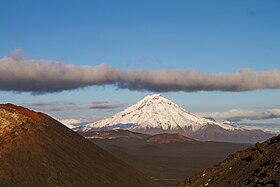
[256, 166]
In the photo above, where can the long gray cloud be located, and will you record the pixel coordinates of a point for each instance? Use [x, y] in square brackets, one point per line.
[41, 76]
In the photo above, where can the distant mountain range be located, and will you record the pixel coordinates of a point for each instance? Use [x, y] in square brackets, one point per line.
[126, 134]
[155, 114]
[36, 150]
[113, 134]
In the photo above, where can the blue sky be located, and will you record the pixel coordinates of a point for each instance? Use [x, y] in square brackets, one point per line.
[208, 36]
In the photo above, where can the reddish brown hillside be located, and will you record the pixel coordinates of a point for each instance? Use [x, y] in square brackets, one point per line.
[32, 114]
[37, 150]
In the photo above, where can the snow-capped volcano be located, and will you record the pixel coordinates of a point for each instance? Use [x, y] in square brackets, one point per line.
[155, 111]
[156, 114]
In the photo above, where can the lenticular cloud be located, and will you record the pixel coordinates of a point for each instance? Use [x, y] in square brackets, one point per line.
[41, 76]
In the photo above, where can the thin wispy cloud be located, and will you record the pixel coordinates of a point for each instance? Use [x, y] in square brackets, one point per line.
[41, 76]
[105, 105]
[239, 114]
[43, 104]
[70, 106]
[52, 106]
[69, 103]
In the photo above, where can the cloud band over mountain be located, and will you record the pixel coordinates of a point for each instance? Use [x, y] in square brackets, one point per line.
[41, 76]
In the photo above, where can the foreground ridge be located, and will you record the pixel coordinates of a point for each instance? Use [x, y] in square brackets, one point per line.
[36, 150]
[255, 166]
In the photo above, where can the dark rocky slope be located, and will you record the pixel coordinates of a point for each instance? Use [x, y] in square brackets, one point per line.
[255, 166]
[36, 150]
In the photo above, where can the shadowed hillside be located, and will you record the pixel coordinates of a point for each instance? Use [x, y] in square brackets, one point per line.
[37, 150]
[255, 166]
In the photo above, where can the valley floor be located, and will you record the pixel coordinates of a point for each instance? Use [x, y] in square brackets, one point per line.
[171, 163]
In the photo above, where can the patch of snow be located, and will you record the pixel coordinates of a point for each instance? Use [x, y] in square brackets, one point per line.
[71, 123]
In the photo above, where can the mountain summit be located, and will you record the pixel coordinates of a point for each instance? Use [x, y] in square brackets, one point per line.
[155, 111]
[156, 114]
